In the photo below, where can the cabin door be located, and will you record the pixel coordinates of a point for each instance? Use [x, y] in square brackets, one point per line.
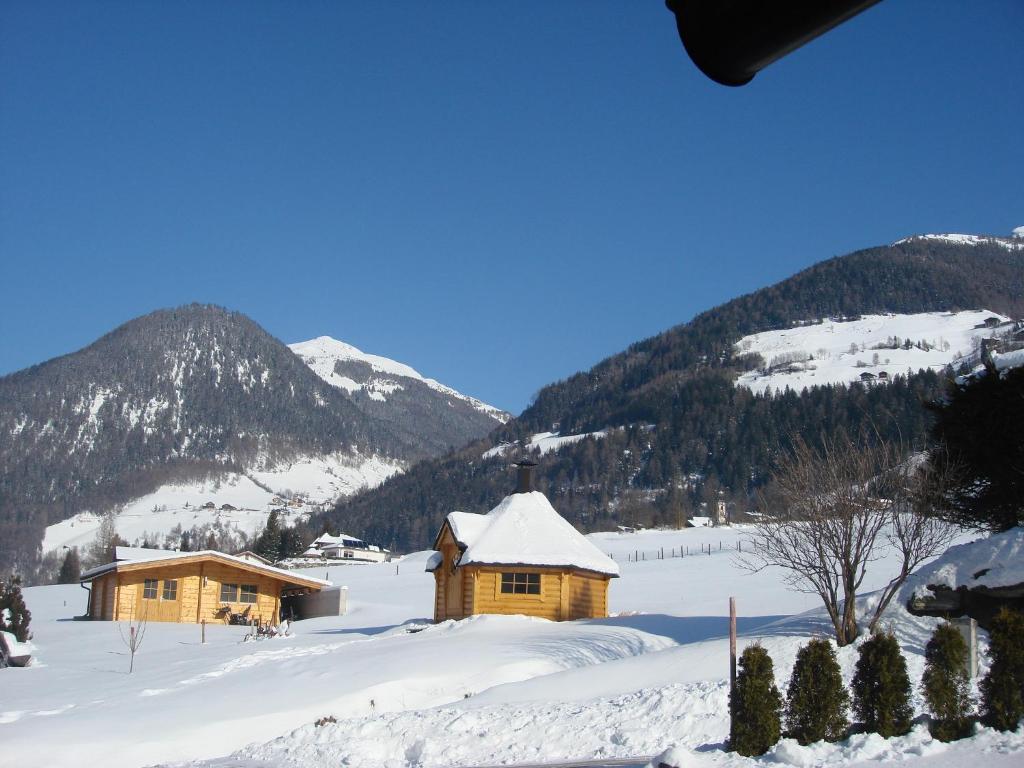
[169, 601]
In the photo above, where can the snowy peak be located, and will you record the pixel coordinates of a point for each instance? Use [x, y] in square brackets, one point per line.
[324, 349]
[349, 368]
[1014, 243]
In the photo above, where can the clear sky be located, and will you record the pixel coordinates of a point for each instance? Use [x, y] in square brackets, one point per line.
[499, 194]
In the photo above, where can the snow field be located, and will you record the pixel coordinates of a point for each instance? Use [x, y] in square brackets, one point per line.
[482, 691]
[843, 350]
[318, 479]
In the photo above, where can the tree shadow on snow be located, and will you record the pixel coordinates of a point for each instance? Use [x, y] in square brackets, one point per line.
[690, 629]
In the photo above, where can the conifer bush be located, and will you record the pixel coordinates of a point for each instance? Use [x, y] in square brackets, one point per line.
[816, 700]
[881, 687]
[1002, 689]
[945, 684]
[755, 705]
[14, 614]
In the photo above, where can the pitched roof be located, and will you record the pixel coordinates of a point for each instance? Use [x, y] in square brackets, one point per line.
[341, 538]
[131, 559]
[524, 529]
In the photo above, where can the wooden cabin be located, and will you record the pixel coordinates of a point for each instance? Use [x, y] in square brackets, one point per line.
[187, 587]
[522, 557]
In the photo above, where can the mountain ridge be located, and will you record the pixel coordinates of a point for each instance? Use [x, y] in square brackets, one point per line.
[182, 393]
[665, 427]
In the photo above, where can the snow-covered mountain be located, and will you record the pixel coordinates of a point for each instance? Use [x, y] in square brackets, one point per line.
[661, 428]
[167, 405]
[869, 348]
[353, 370]
[1012, 243]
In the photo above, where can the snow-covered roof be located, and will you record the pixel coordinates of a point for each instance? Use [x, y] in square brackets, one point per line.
[1004, 361]
[341, 538]
[143, 553]
[434, 562]
[997, 561]
[151, 555]
[524, 529]
[467, 526]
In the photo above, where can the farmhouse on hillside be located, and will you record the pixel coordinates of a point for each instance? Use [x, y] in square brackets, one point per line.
[187, 587]
[344, 547]
[522, 557]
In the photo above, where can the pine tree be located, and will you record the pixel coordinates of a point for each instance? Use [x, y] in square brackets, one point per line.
[292, 544]
[817, 700]
[881, 687]
[268, 544]
[977, 431]
[945, 684]
[1002, 689]
[14, 614]
[755, 705]
[71, 568]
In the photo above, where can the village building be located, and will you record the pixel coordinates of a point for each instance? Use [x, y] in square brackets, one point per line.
[189, 587]
[344, 547]
[250, 556]
[522, 557]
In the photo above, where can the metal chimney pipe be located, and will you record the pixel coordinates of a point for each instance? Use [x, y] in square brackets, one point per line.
[525, 480]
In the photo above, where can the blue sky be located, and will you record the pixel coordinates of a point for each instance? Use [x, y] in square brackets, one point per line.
[497, 194]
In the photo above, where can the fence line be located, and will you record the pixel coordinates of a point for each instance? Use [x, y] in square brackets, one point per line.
[642, 555]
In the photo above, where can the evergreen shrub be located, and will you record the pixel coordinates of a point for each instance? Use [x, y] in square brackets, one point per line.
[816, 700]
[945, 684]
[881, 687]
[1002, 689]
[755, 705]
[14, 614]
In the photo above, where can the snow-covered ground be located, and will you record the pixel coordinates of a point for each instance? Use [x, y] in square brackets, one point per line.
[316, 479]
[543, 442]
[483, 691]
[840, 352]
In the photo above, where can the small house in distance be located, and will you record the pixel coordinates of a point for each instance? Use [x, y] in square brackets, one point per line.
[188, 587]
[344, 547]
[522, 557]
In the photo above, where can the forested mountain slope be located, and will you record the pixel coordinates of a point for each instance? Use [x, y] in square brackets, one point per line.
[668, 427]
[183, 393]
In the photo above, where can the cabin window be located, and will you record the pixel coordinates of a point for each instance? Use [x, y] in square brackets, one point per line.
[149, 589]
[229, 593]
[520, 583]
[248, 593]
[170, 589]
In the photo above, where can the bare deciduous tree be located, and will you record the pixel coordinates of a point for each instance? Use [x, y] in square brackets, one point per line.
[836, 509]
[133, 637]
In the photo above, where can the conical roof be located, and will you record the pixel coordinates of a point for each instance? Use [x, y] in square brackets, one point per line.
[524, 529]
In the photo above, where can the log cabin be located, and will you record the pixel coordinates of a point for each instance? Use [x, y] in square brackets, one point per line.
[522, 557]
[188, 587]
